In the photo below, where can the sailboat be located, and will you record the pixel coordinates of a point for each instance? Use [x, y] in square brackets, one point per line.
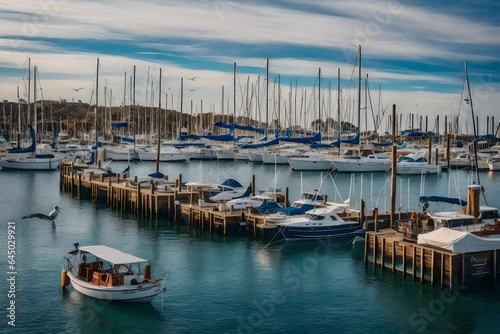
[374, 162]
[26, 158]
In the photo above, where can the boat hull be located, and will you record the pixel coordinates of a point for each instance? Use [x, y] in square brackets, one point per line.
[308, 164]
[141, 293]
[361, 165]
[31, 163]
[318, 232]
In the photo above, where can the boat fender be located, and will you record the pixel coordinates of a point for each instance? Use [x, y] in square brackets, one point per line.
[64, 278]
[147, 273]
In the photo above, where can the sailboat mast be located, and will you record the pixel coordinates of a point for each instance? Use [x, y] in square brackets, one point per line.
[474, 140]
[234, 96]
[267, 94]
[96, 106]
[158, 120]
[359, 100]
[133, 111]
[319, 100]
[29, 90]
[339, 123]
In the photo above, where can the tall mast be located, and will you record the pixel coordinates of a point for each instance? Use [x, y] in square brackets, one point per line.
[96, 106]
[29, 90]
[359, 100]
[474, 141]
[234, 96]
[339, 123]
[182, 100]
[319, 100]
[133, 111]
[267, 94]
[34, 100]
[158, 120]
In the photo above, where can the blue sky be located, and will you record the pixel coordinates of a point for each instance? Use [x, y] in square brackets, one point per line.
[413, 51]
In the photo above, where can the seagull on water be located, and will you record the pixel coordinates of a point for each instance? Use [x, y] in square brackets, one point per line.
[51, 216]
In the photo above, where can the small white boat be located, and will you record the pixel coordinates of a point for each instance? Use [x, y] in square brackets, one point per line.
[313, 161]
[104, 273]
[32, 162]
[318, 223]
[494, 164]
[416, 164]
[374, 162]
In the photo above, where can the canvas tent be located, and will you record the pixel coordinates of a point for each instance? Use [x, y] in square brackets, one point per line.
[458, 242]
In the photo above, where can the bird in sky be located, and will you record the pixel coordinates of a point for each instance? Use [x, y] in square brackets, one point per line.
[77, 89]
[193, 78]
[51, 216]
[192, 90]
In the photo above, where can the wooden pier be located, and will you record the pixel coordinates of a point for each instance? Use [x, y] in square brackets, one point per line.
[387, 249]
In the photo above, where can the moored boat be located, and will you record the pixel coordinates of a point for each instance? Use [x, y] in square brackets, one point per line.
[104, 273]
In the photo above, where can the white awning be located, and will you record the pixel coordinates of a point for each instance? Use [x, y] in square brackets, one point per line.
[458, 242]
[111, 255]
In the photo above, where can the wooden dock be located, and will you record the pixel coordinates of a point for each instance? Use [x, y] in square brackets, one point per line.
[387, 249]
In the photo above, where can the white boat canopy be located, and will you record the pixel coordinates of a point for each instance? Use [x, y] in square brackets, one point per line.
[111, 255]
[458, 241]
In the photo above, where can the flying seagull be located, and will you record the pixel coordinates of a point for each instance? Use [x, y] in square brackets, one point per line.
[77, 89]
[51, 216]
[193, 78]
[192, 90]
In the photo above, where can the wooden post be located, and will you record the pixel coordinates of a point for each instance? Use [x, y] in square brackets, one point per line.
[287, 203]
[375, 250]
[393, 185]
[367, 243]
[429, 154]
[138, 199]
[253, 185]
[382, 255]
[375, 219]
[361, 213]
[404, 260]
[432, 266]
[442, 270]
[413, 256]
[393, 264]
[422, 265]
[79, 184]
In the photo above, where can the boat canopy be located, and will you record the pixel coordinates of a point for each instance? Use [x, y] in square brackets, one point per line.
[111, 255]
[450, 200]
[119, 125]
[458, 241]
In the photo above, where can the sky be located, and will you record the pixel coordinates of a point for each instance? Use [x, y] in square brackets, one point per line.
[413, 54]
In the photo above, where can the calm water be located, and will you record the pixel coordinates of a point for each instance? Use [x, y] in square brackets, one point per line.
[231, 284]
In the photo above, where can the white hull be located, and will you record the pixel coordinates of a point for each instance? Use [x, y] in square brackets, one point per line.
[310, 164]
[144, 292]
[165, 156]
[274, 159]
[361, 165]
[31, 163]
[413, 168]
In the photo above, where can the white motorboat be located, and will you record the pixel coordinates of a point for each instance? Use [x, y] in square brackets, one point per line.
[167, 154]
[373, 162]
[318, 223]
[313, 161]
[32, 162]
[416, 164]
[104, 273]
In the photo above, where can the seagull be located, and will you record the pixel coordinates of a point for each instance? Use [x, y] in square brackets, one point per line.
[77, 89]
[192, 90]
[193, 78]
[51, 216]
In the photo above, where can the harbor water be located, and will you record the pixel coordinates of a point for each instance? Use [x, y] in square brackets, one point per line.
[231, 283]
